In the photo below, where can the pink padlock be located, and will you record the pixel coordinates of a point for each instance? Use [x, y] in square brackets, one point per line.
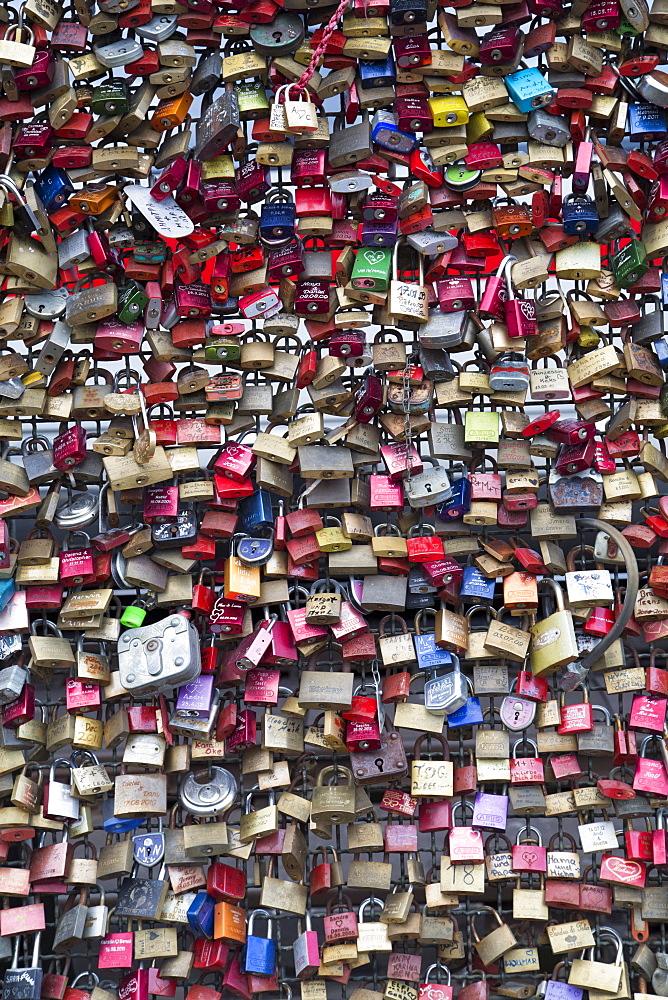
[455, 294]
[252, 181]
[648, 712]
[81, 694]
[227, 617]
[306, 951]
[161, 504]
[261, 687]
[411, 51]
[520, 316]
[235, 461]
[495, 294]
[312, 297]
[245, 732]
[119, 338]
[385, 493]
[282, 651]
[265, 302]
[301, 630]
[69, 448]
[39, 74]
[499, 46]
[483, 156]
[309, 167]
[399, 457]
[77, 565]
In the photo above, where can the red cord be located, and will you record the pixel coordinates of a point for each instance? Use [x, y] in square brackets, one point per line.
[320, 50]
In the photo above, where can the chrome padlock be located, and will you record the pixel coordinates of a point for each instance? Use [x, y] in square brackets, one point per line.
[156, 657]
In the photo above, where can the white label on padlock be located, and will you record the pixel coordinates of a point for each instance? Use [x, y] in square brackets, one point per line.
[166, 217]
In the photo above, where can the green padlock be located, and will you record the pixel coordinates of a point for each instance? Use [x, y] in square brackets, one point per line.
[222, 349]
[134, 614]
[110, 98]
[253, 101]
[371, 269]
[630, 263]
[482, 427]
[132, 300]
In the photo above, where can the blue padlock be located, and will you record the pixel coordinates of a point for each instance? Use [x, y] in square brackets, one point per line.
[200, 915]
[476, 586]
[148, 848]
[7, 589]
[255, 551]
[470, 714]
[386, 132]
[459, 502]
[113, 824]
[529, 90]
[429, 655]
[579, 215]
[376, 73]
[277, 222]
[661, 351]
[260, 952]
[256, 512]
[646, 122]
[53, 187]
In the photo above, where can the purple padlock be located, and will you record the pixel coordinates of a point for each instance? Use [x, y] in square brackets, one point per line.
[193, 700]
[556, 990]
[490, 811]
[379, 233]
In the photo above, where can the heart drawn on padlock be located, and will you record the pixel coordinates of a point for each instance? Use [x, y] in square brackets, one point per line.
[625, 871]
[374, 256]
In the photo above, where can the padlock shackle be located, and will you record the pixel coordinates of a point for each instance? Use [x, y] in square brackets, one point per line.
[632, 582]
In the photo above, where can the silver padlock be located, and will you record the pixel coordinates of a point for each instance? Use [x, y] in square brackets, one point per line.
[209, 797]
[72, 250]
[59, 802]
[97, 917]
[454, 329]
[119, 53]
[446, 693]
[38, 460]
[428, 487]
[427, 241]
[53, 348]
[598, 836]
[159, 656]
[12, 680]
[12, 388]
[48, 305]
[159, 28]
[547, 128]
